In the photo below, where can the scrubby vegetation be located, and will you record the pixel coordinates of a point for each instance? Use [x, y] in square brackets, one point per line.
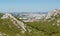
[46, 28]
[49, 27]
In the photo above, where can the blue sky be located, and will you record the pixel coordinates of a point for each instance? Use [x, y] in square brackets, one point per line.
[28, 5]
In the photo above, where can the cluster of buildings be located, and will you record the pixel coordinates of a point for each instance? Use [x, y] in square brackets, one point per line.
[32, 17]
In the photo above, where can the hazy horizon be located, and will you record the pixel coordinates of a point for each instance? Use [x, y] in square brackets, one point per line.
[28, 5]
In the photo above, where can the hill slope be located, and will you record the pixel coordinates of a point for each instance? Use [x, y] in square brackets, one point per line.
[45, 27]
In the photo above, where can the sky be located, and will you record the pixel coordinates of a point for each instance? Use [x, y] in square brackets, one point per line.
[28, 5]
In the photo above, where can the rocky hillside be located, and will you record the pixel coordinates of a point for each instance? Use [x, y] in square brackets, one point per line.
[49, 26]
[16, 22]
[53, 13]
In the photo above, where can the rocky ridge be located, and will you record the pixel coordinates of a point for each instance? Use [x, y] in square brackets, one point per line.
[16, 22]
